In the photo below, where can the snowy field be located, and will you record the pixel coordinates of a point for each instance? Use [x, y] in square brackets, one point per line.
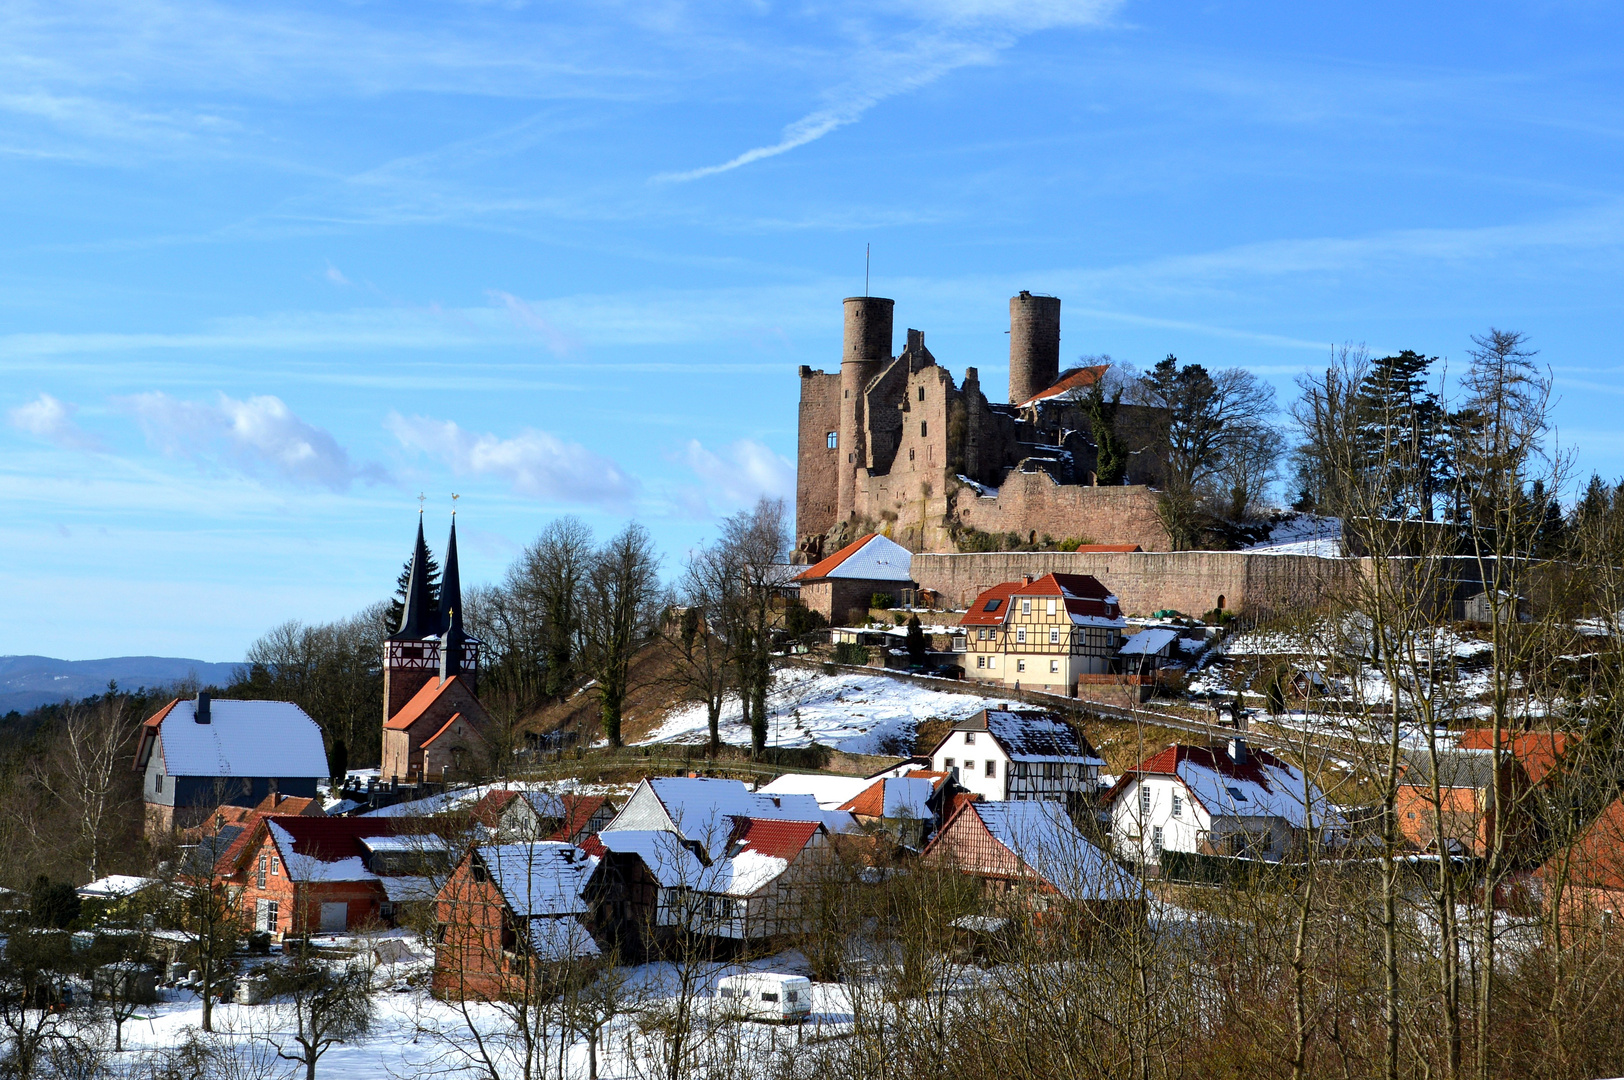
[860, 714]
[414, 1035]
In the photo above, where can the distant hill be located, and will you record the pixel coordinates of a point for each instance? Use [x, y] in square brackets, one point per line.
[27, 682]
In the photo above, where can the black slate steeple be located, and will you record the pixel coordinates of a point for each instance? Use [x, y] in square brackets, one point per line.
[417, 613]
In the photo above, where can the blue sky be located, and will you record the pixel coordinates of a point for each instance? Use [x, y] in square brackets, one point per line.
[268, 271]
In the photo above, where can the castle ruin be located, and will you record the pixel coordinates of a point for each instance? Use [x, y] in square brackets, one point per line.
[893, 444]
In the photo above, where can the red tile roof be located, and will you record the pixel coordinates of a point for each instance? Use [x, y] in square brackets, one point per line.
[870, 802]
[1597, 857]
[827, 566]
[490, 807]
[779, 839]
[1083, 595]
[1079, 379]
[578, 810]
[415, 708]
[1537, 752]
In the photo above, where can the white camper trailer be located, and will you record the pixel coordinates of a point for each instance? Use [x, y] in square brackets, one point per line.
[766, 996]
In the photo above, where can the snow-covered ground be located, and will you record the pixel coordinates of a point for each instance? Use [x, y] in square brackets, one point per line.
[1303, 534]
[860, 714]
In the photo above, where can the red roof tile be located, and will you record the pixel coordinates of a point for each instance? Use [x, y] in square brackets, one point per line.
[415, 708]
[779, 839]
[490, 807]
[827, 566]
[1536, 751]
[1083, 595]
[870, 802]
[578, 811]
[1079, 379]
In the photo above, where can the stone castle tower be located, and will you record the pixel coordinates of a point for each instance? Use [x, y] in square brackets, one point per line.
[428, 643]
[894, 444]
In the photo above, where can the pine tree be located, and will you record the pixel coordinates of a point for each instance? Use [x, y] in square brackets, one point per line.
[397, 603]
[918, 648]
[1404, 435]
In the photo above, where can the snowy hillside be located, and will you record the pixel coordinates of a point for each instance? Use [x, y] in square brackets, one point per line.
[1303, 534]
[860, 714]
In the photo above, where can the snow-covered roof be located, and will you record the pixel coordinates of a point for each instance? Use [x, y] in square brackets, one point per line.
[831, 792]
[872, 558]
[1045, 839]
[242, 738]
[1148, 642]
[560, 939]
[114, 886]
[543, 878]
[1259, 786]
[401, 890]
[1032, 735]
[668, 859]
[422, 844]
[302, 867]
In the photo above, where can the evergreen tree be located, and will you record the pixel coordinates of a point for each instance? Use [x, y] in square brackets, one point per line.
[1404, 435]
[397, 603]
[918, 648]
[1111, 457]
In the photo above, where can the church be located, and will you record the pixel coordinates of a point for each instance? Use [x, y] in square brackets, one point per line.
[434, 726]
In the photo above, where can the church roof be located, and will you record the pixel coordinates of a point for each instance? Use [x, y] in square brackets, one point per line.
[416, 621]
[872, 558]
[451, 586]
[414, 709]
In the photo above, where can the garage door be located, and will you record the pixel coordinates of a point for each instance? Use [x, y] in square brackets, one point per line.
[334, 917]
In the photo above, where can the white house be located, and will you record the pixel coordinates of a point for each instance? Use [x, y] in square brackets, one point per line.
[1235, 800]
[1021, 755]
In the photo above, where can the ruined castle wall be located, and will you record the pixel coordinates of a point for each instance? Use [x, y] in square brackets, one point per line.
[1188, 581]
[817, 474]
[1033, 503]
[909, 501]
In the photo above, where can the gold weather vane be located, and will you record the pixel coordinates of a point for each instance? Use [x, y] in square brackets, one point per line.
[454, 498]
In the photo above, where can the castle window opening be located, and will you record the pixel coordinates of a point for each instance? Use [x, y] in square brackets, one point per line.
[1220, 601]
[910, 453]
[921, 393]
[921, 429]
[834, 439]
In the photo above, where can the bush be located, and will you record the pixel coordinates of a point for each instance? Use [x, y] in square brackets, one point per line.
[801, 620]
[849, 652]
[882, 601]
[54, 904]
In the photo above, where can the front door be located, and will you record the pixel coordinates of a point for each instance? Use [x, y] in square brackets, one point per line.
[334, 918]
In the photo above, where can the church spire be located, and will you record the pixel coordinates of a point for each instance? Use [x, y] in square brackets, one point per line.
[451, 586]
[416, 612]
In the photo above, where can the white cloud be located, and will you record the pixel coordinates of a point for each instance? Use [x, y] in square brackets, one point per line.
[336, 276]
[955, 34]
[259, 436]
[535, 463]
[738, 476]
[50, 418]
[531, 319]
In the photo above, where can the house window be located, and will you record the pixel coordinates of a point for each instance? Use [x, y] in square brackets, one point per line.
[1020, 636]
[1020, 665]
[1026, 605]
[1156, 839]
[1144, 802]
[1051, 605]
[992, 769]
[1178, 806]
[834, 439]
[1054, 635]
[981, 634]
[969, 738]
[158, 782]
[981, 661]
[1054, 667]
[947, 763]
[259, 875]
[276, 867]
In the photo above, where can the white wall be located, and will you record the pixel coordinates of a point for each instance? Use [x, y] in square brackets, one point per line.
[978, 747]
[1182, 833]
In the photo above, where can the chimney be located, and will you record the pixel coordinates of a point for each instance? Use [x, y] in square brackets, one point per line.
[1026, 578]
[202, 716]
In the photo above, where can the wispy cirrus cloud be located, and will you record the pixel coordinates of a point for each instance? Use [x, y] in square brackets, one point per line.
[952, 34]
[259, 436]
[50, 418]
[536, 464]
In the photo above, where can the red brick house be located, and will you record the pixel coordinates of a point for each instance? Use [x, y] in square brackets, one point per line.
[1029, 856]
[1478, 802]
[1587, 881]
[304, 875]
[510, 921]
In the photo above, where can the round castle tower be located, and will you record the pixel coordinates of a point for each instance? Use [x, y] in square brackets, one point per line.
[1034, 344]
[865, 349]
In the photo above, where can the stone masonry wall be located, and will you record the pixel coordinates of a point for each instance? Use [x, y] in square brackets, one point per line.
[816, 479]
[1189, 581]
[1033, 503]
